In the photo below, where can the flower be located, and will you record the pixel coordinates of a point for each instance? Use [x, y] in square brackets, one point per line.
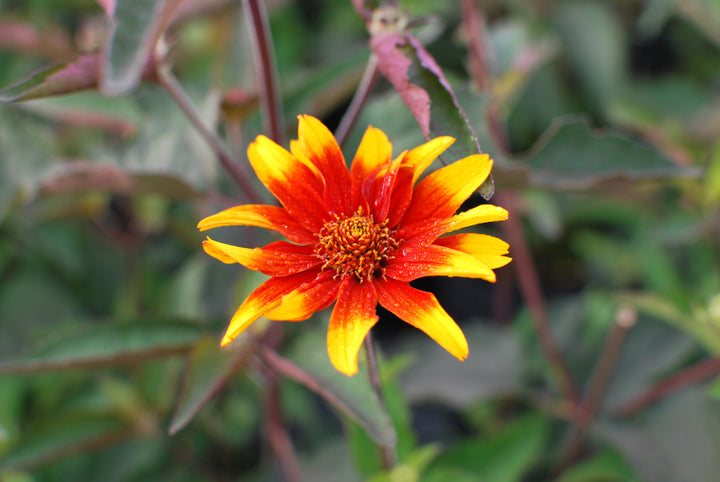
[358, 236]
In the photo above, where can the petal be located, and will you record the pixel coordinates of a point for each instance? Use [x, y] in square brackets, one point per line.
[374, 152]
[293, 183]
[265, 297]
[485, 213]
[436, 261]
[401, 196]
[422, 156]
[442, 192]
[321, 149]
[488, 249]
[276, 259]
[353, 316]
[426, 231]
[268, 217]
[380, 204]
[422, 310]
[309, 298]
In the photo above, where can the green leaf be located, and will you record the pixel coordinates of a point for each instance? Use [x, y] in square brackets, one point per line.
[700, 325]
[493, 368]
[504, 456]
[137, 26]
[353, 396]
[595, 45]
[571, 156]
[677, 440]
[208, 369]
[61, 438]
[107, 344]
[411, 468]
[606, 466]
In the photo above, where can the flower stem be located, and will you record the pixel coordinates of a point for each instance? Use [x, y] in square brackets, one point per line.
[358, 101]
[387, 454]
[624, 321]
[266, 69]
[168, 81]
[530, 288]
[694, 374]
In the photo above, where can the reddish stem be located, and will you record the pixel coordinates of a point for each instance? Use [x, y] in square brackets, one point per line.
[694, 374]
[624, 321]
[358, 101]
[529, 281]
[387, 454]
[265, 68]
[168, 81]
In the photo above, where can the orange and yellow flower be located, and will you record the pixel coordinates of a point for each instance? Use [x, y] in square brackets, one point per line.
[358, 237]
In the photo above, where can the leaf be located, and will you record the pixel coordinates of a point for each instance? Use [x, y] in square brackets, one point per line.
[503, 456]
[676, 441]
[593, 40]
[700, 325]
[137, 27]
[493, 368]
[420, 81]
[107, 344]
[208, 369]
[61, 438]
[607, 466]
[79, 74]
[570, 156]
[308, 363]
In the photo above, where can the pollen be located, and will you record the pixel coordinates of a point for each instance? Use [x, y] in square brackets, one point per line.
[356, 246]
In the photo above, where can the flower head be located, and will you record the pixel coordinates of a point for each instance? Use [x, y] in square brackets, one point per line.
[357, 237]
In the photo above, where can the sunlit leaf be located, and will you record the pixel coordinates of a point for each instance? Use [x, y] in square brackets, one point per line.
[107, 344]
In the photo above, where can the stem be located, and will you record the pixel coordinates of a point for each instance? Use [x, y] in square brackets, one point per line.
[694, 374]
[387, 454]
[474, 26]
[168, 81]
[358, 101]
[530, 287]
[266, 69]
[624, 321]
[278, 437]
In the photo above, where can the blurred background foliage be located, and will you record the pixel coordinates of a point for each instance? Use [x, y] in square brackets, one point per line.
[604, 120]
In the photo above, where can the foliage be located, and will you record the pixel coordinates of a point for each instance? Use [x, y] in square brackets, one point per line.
[592, 358]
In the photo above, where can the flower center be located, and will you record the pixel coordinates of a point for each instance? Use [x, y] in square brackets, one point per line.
[356, 246]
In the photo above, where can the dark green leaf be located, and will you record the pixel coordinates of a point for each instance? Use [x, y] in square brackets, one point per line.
[208, 369]
[493, 368]
[354, 395]
[504, 456]
[107, 344]
[676, 441]
[62, 438]
[571, 156]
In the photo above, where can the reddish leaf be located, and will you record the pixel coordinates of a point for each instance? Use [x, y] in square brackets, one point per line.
[421, 84]
[80, 74]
